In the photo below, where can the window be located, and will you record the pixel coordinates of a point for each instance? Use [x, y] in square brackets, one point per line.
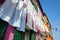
[35, 5]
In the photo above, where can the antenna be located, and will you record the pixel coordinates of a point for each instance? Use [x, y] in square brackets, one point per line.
[55, 29]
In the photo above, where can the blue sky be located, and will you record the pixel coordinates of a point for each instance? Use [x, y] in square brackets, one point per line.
[52, 10]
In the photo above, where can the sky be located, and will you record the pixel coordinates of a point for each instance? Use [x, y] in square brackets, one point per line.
[52, 10]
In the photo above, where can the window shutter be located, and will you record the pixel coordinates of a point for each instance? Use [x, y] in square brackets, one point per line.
[32, 35]
[17, 35]
[3, 26]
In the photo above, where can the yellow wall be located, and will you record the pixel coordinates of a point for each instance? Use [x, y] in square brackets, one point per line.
[49, 37]
[48, 26]
[46, 23]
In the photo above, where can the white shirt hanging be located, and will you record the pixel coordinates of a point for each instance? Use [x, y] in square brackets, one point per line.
[29, 19]
[8, 9]
[40, 24]
[22, 17]
[16, 17]
[22, 21]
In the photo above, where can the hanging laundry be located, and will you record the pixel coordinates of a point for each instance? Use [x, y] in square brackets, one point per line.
[8, 9]
[34, 26]
[29, 21]
[46, 28]
[34, 20]
[29, 13]
[40, 13]
[22, 18]
[18, 15]
[22, 22]
[39, 23]
[42, 26]
[26, 1]
[26, 16]
[38, 37]
[9, 34]
[3, 27]
[42, 35]
[28, 26]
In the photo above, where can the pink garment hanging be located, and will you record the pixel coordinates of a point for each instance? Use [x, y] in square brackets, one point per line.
[37, 36]
[9, 34]
[39, 28]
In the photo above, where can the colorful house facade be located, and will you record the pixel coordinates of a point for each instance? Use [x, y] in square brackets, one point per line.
[27, 21]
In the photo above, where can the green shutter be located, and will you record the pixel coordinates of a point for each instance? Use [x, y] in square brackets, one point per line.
[42, 19]
[32, 35]
[18, 35]
[3, 26]
[31, 1]
[35, 6]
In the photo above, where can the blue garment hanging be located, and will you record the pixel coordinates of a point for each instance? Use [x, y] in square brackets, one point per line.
[18, 18]
[22, 22]
[22, 19]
